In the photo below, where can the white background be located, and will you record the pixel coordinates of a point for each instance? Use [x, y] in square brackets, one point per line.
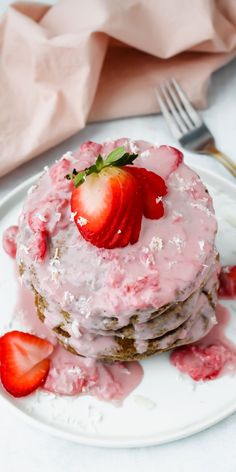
[23, 448]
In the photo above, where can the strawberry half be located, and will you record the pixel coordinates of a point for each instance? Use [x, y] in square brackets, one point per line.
[227, 279]
[24, 362]
[152, 187]
[110, 197]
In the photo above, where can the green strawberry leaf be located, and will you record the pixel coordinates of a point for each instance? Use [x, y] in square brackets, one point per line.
[124, 160]
[99, 163]
[115, 155]
[119, 157]
[79, 178]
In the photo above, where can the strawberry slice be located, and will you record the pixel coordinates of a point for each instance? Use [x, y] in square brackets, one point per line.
[104, 205]
[57, 175]
[227, 279]
[37, 246]
[24, 362]
[130, 214]
[167, 160]
[152, 187]
[136, 227]
[9, 240]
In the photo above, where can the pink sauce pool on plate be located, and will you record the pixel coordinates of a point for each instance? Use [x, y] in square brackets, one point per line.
[210, 357]
[70, 374]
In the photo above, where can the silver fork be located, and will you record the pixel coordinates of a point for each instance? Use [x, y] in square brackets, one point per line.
[187, 125]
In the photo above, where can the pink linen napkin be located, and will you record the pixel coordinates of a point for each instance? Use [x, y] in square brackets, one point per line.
[79, 60]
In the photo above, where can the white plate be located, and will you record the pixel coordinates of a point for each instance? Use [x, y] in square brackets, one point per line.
[166, 405]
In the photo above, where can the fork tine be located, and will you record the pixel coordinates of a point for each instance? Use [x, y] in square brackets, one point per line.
[183, 128]
[169, 118]
[195, 117]
[178, 104]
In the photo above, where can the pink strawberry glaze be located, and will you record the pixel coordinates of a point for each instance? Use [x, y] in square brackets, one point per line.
[70, 374]
[9, 240]
[172, 258]
[210, 357]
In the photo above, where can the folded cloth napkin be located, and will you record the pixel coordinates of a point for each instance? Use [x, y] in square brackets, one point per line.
[63, 65]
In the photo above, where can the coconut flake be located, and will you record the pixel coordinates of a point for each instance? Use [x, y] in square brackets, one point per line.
[75, 328]
[31, 189]
[23, 248]
[133, 147]
[144, 402]
[145, 154]
[201, 244]
[72, 215]
[178, 242]
[82, 221]
[159, 199]
[41, 217]
[67, 154]
[156, 243]
[68, 297]
[202, 208]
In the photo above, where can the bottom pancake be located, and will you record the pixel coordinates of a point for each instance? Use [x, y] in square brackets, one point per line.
[197, 324]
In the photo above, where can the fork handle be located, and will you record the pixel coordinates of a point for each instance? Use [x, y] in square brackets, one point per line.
[223, 159]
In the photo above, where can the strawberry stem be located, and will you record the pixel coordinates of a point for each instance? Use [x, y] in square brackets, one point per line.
[119, 157]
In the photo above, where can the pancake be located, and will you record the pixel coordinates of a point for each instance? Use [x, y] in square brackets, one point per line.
[123, 303]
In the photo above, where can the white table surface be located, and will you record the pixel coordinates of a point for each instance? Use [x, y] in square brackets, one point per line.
[23, 448]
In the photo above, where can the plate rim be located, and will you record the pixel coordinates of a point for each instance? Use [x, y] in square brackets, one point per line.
[104, 441]
[115, 443]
